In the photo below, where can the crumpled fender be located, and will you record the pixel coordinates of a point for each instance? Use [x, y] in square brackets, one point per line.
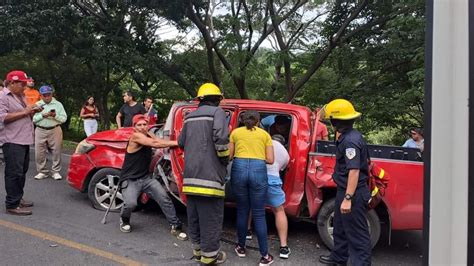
[319, 176]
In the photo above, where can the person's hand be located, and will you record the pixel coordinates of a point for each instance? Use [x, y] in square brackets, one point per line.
[45, 115]
[30, 109]
[52, 114]
[346, 206]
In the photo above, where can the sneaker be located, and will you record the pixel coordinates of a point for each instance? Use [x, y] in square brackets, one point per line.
[285, 252]
[220, 258]
[57, 176]
[240, 251]
[40, 176]
[125, 226]
[267, 260]
[249, 235]
[178, 233]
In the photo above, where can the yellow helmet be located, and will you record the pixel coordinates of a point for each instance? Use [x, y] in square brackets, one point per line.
[207, 89]
[340, 109]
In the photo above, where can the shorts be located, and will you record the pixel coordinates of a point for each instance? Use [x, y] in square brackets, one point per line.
[275, 194]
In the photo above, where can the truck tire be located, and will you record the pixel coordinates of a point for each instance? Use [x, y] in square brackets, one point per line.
[325, 224]
[101, 189]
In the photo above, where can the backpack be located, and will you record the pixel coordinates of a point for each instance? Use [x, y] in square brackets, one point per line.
[378, 182]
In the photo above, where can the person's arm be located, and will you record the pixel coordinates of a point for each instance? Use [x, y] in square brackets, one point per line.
[182, 137]
[352, 157]
[231, 150]
[269, 155]
[352, 181]
[150, 142]
[11, 117]
[60, 114]
[96, 115]
[325, 132]
[405, 145]
[221, 136]
[81, 114]
[118, 119]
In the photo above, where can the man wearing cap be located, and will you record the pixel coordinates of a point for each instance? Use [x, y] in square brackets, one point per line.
[48, 133]
[135, 177]
[16, 136]
[32, 95]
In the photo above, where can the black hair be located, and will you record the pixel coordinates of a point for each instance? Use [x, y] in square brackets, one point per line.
[148, 98]
[417, 130]
[282, 120]
[131, 94]
[250, 119]
[86, 103]
[212, 100]
[279, 138]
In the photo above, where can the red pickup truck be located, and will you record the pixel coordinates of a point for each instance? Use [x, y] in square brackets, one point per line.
[307, 181]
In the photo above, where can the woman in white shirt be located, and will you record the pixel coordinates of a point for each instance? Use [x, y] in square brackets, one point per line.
[275, 193]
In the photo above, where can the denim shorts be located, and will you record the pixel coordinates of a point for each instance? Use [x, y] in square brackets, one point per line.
[275, 194]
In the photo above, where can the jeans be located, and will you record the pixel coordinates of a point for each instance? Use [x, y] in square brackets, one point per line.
[249, 184]
[154, 189]
[17, 159]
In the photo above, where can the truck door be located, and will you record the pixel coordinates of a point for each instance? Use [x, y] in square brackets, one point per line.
[177, 155]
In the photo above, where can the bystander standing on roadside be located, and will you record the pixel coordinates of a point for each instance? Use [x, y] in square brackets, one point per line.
[48, 133]
[2, 161]
[90, 114]
[129, 109]
[32, 95]
[205, 139]
[16, 138]
[151, 112]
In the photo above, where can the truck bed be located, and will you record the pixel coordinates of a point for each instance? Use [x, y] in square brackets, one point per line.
[377, 151]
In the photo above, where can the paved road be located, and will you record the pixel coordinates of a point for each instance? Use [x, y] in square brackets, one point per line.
[66, 230]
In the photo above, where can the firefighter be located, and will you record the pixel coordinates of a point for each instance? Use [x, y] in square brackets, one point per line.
[205, 140]
[351, 233]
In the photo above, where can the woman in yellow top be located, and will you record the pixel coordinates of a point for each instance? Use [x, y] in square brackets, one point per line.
[251, 148]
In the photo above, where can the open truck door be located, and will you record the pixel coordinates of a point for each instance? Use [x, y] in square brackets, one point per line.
[176, 158]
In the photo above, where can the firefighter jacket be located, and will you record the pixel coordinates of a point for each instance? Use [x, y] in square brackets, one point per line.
[205, 140]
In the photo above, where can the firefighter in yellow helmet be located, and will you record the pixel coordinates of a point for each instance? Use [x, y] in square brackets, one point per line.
[205, 140]
[351, 233]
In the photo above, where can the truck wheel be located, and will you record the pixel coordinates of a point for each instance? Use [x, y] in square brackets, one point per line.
[326, 228]
[102, 187]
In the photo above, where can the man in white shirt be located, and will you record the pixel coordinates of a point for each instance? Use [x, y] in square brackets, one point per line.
[276, 195]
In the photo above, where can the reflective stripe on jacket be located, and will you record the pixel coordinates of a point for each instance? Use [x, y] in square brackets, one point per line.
[205, 139]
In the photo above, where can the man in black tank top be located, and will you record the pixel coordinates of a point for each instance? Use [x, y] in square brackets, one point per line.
[135, 177]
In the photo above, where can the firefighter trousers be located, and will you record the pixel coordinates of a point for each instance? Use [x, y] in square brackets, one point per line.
[351, 232]
[205, 218]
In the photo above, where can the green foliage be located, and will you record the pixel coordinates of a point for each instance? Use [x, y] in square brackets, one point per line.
[102, 48]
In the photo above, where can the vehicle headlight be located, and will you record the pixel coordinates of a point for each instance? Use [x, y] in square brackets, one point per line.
[84, 147]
